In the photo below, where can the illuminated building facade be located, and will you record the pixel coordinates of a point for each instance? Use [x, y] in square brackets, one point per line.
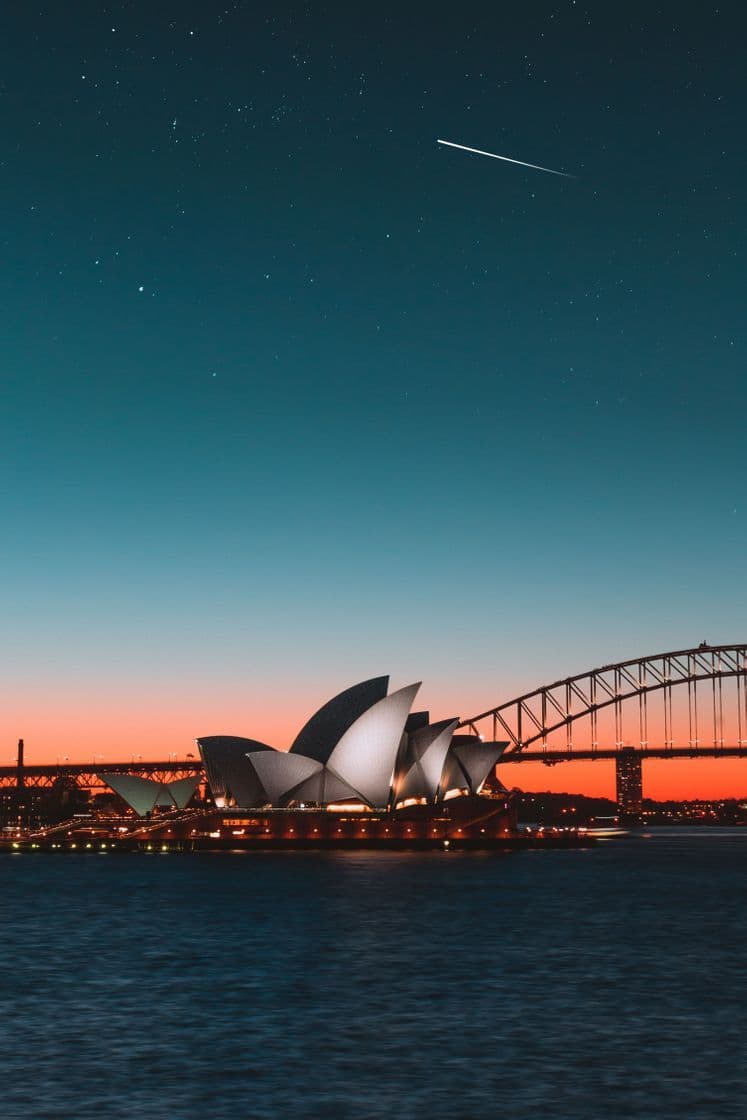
[629, 782]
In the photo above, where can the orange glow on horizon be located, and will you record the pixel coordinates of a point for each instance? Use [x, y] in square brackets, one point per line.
[663, 779]
[131, 724]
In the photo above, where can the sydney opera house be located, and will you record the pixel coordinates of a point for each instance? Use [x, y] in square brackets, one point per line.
[364, 768]
[364, 747]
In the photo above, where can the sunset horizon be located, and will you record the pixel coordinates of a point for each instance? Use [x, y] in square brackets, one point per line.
[144, 730]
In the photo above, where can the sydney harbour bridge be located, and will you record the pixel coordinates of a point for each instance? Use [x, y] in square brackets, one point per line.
[688, 703]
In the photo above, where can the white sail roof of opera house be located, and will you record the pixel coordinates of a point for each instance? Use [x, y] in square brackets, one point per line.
[229, 777]
[469, 762]
[279, 772]
[363, 746]
[144, 795]
[323, 788]
[361, 763]
[424, 760]
[321, 734]
[367, 752]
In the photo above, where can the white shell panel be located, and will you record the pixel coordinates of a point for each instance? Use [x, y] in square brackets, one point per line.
[365, 756]
[477, 760]
[139, 793]
[279, 771]
[182, 789]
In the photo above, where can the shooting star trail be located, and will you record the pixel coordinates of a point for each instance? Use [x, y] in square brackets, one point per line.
[507, 159]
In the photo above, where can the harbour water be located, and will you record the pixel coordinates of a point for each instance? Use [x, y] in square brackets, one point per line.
[564, 985]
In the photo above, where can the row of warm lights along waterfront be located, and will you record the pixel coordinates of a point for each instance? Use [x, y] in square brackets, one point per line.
[97, 817]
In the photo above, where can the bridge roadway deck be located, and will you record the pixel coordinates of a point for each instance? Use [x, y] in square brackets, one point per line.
[86, 773]
[44, 774]
[553, 755]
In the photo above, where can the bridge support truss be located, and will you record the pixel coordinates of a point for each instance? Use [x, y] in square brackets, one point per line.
[686, 703]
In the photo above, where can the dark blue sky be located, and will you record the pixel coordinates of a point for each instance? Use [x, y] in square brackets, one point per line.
[291, 392]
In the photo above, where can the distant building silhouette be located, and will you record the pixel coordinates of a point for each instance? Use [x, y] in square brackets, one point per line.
[629, 782]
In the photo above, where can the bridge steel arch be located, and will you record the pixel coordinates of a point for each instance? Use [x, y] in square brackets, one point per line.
[529, 721]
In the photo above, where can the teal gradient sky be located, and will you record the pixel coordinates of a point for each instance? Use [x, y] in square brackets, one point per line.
[292, 397]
